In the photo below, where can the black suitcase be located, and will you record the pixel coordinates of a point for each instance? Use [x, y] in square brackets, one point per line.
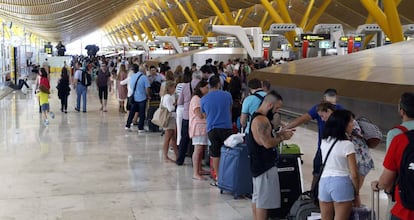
[290, 184]
[153, 106]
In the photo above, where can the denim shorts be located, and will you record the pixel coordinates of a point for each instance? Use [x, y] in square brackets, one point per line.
[336, 189]
[45, 107]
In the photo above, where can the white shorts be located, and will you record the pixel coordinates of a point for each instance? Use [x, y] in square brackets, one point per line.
[200, 140]
[266, 190]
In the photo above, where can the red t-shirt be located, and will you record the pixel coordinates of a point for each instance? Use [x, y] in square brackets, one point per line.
[392, 162]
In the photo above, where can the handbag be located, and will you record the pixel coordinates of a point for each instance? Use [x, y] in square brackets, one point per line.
[131, 99]
[315, 189]
[161, 116]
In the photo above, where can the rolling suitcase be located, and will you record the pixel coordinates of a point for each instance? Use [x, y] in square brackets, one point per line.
[289, 166]
[234, 171]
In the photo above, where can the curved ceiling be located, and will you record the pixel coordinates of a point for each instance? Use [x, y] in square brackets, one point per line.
[68, 20]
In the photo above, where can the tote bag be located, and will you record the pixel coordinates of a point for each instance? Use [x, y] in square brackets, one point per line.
[161, 116]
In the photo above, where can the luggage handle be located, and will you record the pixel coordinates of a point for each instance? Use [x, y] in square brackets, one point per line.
[375, 213]
[300, 174]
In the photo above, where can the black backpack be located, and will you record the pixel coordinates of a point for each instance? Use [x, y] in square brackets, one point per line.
[86, 78]
[406, 174]
[155, 91]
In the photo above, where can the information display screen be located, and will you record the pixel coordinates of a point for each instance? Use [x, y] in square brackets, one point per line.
[324, 44]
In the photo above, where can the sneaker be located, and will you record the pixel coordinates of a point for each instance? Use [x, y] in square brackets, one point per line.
[76, 109]
[127, 129]
[141, 131]
[52, 115]
[46, 122]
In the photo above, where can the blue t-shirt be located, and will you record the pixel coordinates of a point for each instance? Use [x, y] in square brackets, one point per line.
[143, 83]
[313, 112]
[250, 104]
[217, 106]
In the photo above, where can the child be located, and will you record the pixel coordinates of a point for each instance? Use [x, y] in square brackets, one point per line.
[63, 90]
[44, 103]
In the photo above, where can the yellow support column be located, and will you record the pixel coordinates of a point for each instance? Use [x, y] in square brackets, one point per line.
[215, 21]
[286, 17]
[264, 19]
[186, 26]
[272, 12]
[195, 18]
[167, 20]
[196, 31]
[227, 11]
[379, 16]
[218, 12]
[305, 17]
[394, 22]
[237, 16]
[317, 15]
[246, 15]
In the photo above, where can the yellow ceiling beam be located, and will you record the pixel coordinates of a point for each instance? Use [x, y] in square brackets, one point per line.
[153, 22]
[390, 8]
[134, 27]
[195, 17]
[168, 17]
[215, 21]
[218, 12]
[195, 27]
[272, 12]
[263, 20]
[237, 16]
[317, 15]
[115, 35]
[305, 17]
[144, 26]
[111, 36]
[246, 14]
[185, 28]
[227, 11]
[267, 25]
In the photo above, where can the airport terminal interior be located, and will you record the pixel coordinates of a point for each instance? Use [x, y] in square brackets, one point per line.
[85, 164]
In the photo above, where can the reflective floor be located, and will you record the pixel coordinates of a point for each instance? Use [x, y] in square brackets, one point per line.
[86, 166]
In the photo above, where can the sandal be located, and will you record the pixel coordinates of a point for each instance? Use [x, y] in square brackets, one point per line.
[213, 184]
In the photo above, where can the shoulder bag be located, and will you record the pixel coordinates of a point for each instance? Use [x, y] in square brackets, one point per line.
[315, 189]
[131, 99]
[161, 116]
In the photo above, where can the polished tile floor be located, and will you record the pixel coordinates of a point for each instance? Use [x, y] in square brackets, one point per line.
[86, 166]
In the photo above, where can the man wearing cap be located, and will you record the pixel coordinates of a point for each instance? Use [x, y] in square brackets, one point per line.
[328, 96]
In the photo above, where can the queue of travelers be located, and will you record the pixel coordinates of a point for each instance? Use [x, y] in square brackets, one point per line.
[206, 105]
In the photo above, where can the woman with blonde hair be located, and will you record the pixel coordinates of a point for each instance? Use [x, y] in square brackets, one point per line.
[168, 101]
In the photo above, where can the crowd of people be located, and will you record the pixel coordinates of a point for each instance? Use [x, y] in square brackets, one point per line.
[208, 104]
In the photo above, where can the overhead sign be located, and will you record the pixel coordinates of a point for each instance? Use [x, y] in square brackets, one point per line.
[315, 37]
[266, 38]
[48, 49]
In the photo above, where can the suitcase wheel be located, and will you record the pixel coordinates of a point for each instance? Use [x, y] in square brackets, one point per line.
[221, 191]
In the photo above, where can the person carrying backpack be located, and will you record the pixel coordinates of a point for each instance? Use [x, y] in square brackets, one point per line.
[81, 81]
[399, 164]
